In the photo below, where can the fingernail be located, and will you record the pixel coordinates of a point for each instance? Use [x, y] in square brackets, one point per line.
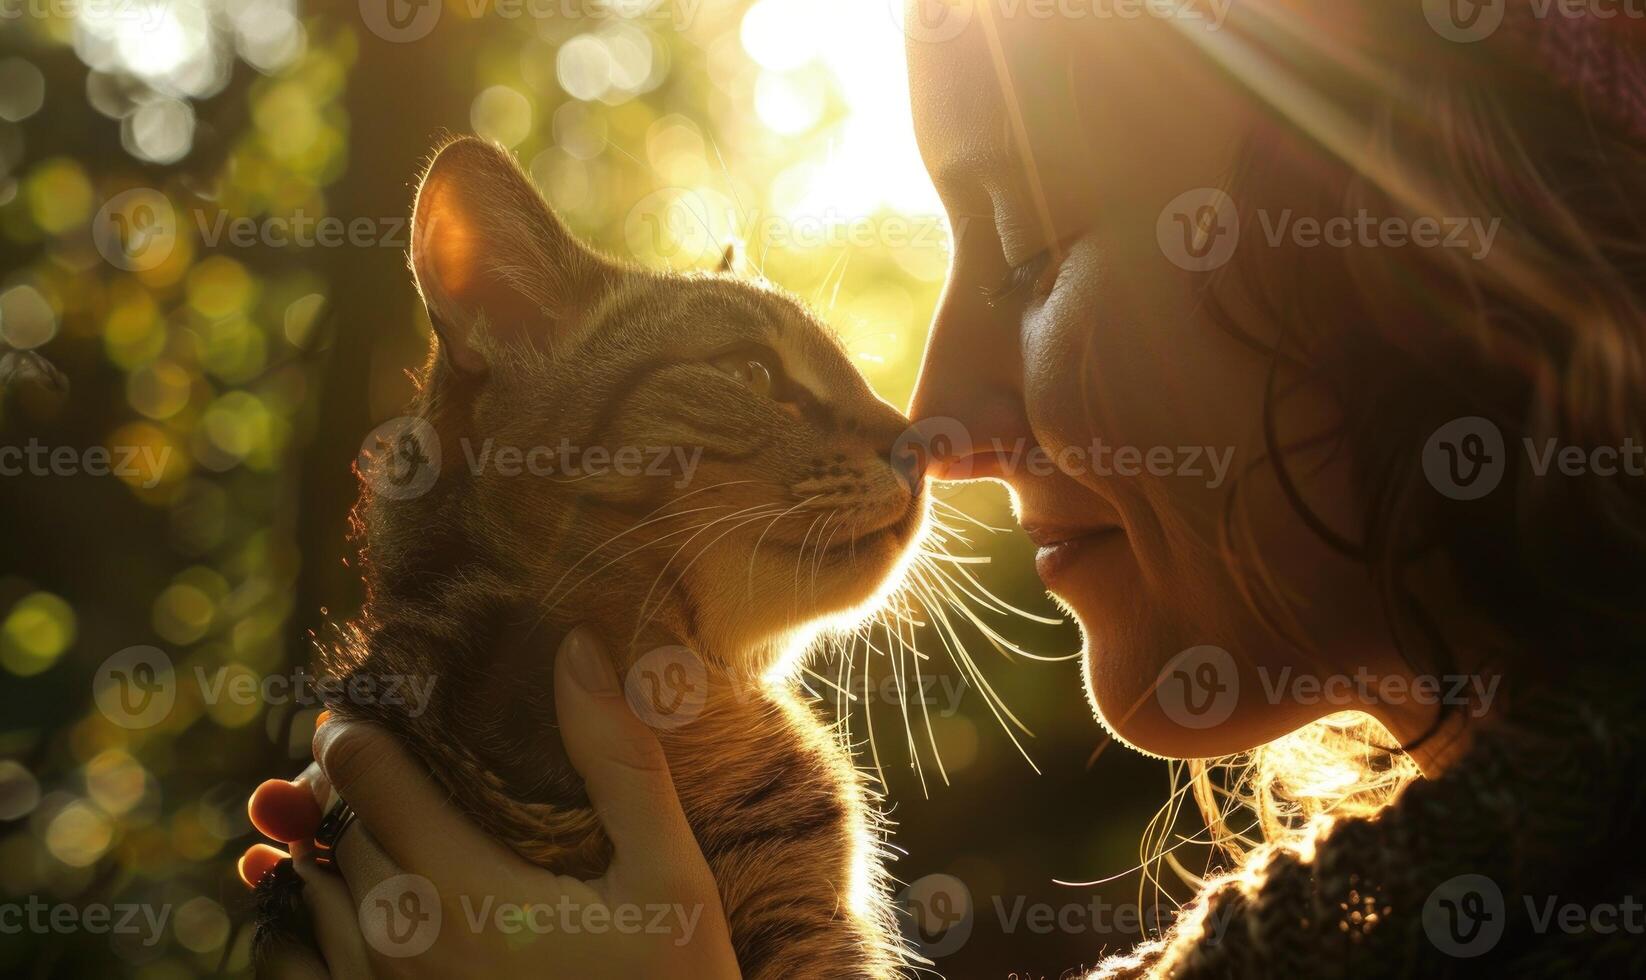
[590, 668]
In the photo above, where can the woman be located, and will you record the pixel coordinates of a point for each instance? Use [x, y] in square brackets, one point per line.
[1387, 262]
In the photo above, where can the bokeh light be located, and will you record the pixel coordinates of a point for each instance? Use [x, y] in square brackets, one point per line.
[151, 156]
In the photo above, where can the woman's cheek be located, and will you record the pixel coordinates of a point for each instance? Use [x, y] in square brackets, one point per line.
[1063, 388]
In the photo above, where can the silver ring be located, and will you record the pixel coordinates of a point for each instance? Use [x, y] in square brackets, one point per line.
[330, 832]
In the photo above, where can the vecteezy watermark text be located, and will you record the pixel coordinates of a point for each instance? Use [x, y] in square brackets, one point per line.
[566, 917]
[403, 916]
[35, 915]
[138, 687]
[142, 465]
[147, 16]
[1199, 230]
[1467, 458]
[580, 463]
[936, 21]
[1200, 688]
[939, 437]
[405, 21]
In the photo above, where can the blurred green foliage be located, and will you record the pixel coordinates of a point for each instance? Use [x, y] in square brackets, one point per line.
[243, 370]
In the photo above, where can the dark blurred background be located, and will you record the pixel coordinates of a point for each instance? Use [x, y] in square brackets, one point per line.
[201, 229]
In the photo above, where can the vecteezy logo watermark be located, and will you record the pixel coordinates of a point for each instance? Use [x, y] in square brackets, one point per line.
[1199, 687]
[678, 226]
[936, 914]
[668, 687]
[42, 918]
[405, 21]
[400, 21]
[1198, 229]
[1468, 21]
[1464, 21]
[135, 230]
[1465, 459]
[401, 917]
[931, 21]
[936, 21]
[928, 441]
[686, 228]
[136, 688]
[400, 459]
[1464, 916]
[144, 466]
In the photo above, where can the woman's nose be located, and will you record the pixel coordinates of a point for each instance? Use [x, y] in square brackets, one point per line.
[968, 404]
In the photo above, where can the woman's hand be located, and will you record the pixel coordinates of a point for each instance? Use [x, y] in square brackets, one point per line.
[424, 893]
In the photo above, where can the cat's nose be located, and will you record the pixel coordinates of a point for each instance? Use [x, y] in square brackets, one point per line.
[902, 447]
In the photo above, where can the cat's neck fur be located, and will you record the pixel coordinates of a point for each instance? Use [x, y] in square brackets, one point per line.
[781, 777]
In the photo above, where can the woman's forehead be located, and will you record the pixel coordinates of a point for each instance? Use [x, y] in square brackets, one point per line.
[1070, 108]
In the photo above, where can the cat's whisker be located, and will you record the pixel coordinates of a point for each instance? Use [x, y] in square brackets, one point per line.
[829, 683]
[898, 668]
[647, 520]
[943, 580]
[549, 607]
[800, 554]
[823, 551]
[951, 641]
[768, 528]
[646, 617]
[911, 646]
[702, 551]
[641, 547]
[731, 186]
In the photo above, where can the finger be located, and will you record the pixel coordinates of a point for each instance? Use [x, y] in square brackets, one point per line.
[288, 810]
[363, 862]
[621, 762]
[292, 961]
[258, 861]
[393, 795]
[335, 920]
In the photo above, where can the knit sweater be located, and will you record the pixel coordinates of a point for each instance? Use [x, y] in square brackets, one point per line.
[1520, 860]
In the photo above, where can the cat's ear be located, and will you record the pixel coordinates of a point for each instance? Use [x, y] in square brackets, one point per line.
[731, 260]
[487, 250]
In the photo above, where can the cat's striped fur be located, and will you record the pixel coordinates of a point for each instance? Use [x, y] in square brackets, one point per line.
[476, 580]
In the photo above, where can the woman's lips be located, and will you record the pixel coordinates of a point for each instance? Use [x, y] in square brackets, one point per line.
[1061, 550]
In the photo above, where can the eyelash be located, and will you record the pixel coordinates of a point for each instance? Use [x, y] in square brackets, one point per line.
[1017, 280]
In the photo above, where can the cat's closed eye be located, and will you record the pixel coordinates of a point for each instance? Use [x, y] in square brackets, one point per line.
[757, 369]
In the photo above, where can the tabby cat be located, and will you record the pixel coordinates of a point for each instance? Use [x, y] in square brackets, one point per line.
[778, 504]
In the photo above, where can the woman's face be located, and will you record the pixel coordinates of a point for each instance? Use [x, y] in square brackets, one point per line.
[1100, 391]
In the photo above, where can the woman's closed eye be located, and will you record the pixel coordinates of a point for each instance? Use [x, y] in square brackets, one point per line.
[1033, 277]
